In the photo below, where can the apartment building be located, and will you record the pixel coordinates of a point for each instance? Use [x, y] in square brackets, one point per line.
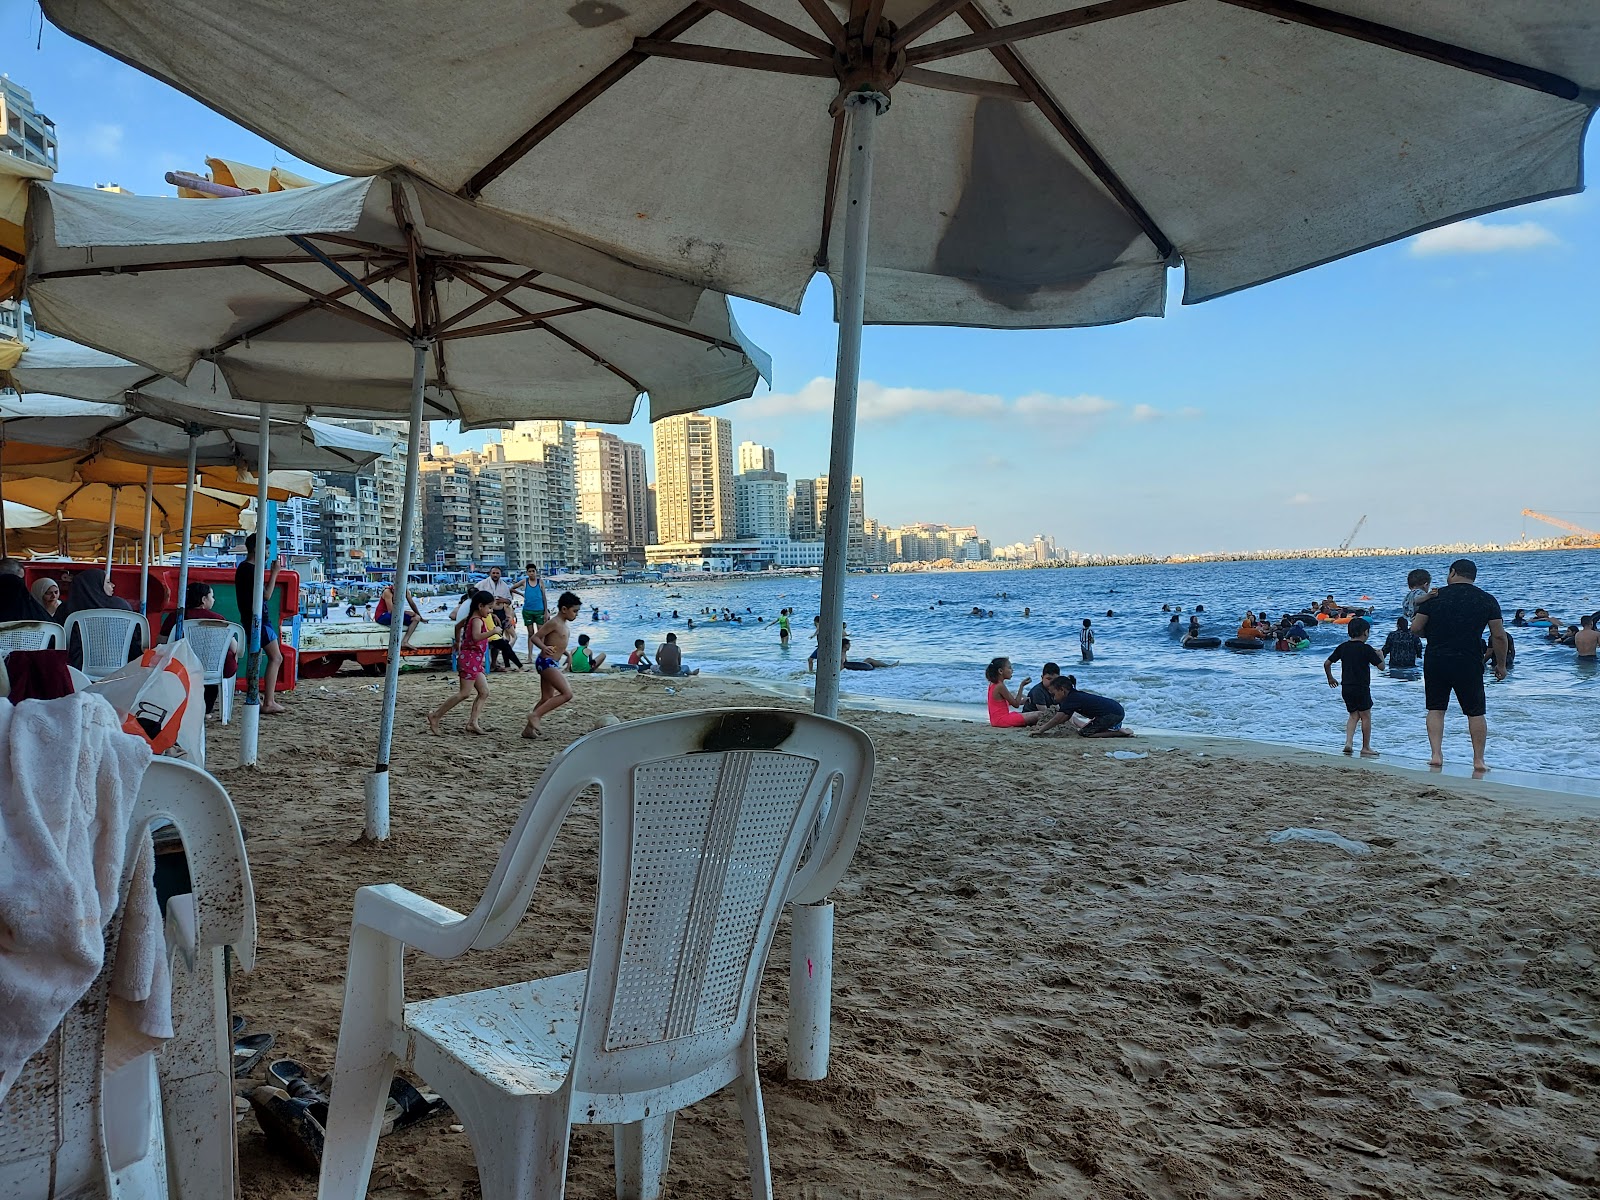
[694, 479]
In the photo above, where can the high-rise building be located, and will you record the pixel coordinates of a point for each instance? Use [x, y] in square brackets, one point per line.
[603, 487]
[755, 457]
[694, 479]
[376, 513]
[637, 486]
[761, 504]
[463, 512]
[525, 498]
[805, 524]
[552, 443]
[24, 131]
[856, 555]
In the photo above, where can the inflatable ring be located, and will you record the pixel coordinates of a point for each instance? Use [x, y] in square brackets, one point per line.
[1201, 643]
[1245, 644]
[1327, 620]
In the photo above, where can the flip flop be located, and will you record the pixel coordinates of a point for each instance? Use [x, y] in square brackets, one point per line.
[248, 1050]
[291, 1126]
[238, 1025]
[414, 1105]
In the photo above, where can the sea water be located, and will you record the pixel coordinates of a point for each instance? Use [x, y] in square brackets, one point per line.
[1544, 717]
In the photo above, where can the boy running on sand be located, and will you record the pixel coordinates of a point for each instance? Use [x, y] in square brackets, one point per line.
[550, 644]
[1358, 659]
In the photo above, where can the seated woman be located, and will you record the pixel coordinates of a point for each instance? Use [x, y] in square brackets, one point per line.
[48, 593]
[92, 589]
[1002, 700]
[200, 605]
[17, 603]
[1103, 715]
[384, 614]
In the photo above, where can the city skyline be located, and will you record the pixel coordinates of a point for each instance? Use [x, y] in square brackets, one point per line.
[1428, 384]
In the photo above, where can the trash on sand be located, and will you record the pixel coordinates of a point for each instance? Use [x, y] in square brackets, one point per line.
[1127, 754]
[1326, 836]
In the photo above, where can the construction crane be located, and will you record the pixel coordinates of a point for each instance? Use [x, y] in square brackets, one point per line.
[1345, 545]
[1578, 532]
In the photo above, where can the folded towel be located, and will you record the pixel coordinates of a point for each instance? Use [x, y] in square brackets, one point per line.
[69, 777]
[139, 1015]
[38, 675]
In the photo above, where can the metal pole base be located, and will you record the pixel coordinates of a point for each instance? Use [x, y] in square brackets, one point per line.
[249, 732]
[810, 989]
[377, 826]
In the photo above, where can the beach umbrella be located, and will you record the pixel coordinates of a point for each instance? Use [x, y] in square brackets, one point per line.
[384, 296]
[15, 176]
[103, 505]
[1045, 163]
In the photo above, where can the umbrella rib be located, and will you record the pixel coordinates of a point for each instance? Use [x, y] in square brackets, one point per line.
[479, 305]
[1071, 134]
[512, 324]
[920, 24]
[1002, 35]
[830, 25]
[830, 189]
[582, 349]
[1415, 45]
[773, 27]
[754, 60]
[597, 86]
[193, 264]
[392, 327]
[942, 81]
[551, 329]
[600, 307]
[299, 310]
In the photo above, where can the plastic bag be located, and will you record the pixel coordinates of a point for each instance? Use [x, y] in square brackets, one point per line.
[160, 698]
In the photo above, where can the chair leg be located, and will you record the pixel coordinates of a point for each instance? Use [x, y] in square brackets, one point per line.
[520, 1144]
[225, 699]
[363, 1065]
[642, 1151]
[754, 1114]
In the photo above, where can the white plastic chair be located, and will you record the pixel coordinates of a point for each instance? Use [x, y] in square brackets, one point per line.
[145, 1131]
[29, 635]
[211, 640]
[703, 817]
[106, 637]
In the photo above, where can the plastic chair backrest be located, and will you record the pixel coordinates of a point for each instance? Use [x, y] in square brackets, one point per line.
[29, 635]
[106, 637]
[703, 818]
[67, 1124]
[211, 640]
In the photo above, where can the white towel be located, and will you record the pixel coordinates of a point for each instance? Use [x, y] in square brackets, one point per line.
[69, 777]
[139, 1015]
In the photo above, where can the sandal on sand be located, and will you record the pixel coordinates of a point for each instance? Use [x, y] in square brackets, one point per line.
[294, 1128]
[248, 1050]
[413, 1105]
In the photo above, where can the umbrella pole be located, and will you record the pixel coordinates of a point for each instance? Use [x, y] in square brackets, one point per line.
[111, 529]
[811, 941]
[377, 820]
[144, 557]
[188, 532]
[250, 718]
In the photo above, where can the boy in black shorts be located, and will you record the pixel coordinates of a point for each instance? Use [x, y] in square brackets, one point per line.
[1358, 659]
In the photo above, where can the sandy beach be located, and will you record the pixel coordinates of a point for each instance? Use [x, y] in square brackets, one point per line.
[1059, 973]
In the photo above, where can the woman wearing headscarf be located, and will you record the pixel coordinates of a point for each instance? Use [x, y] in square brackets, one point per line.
[48, 593]
[91, 590]
[17, 603]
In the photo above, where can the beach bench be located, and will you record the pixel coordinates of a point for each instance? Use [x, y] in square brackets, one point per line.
[705, 823]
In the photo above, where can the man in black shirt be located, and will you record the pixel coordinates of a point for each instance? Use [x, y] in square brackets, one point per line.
[1402, 647]
[1453, 623]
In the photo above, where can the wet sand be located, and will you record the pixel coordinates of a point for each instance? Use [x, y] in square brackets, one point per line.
[1058, 973]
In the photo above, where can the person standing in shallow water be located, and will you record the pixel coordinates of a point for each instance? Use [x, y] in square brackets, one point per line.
[1452, 622]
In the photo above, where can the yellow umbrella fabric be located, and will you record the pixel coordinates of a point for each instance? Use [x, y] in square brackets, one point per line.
[246, 178]
[10, 351]
[122, 468]
[15, 175]
[214, 512]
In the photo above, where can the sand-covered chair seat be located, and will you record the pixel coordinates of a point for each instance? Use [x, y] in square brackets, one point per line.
[704, 818]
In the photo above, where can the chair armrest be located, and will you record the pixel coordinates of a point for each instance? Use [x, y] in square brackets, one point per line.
[414, 920]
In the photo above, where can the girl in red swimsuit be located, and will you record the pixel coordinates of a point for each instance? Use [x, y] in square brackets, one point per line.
[472, 640]
[1002, 699]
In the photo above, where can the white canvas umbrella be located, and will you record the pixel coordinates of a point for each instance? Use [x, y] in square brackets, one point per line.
[377, 295]
[1045, 162]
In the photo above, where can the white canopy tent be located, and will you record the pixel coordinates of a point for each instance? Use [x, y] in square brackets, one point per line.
[381, 296]
[1046, 161]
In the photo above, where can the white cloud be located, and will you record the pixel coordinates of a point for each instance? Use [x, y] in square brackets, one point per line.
[1300, 498]
[102, 141]
[1480, 237]
[879, 403]
[1146, 413]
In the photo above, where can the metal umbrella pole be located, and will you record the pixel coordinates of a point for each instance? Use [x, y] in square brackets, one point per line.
[250, 719]
[188, 532]
[377, 816]
[811, 935]
[111, 529]
[144, 556]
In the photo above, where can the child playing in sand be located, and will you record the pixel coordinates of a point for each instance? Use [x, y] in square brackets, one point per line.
[639, 660]
[1420, 586]
[472, 639]
[550, 645]
[1002, 699]
[585, 660]
[1358, 659]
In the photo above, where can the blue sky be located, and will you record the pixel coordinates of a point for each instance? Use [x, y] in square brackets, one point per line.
[1438, 386]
